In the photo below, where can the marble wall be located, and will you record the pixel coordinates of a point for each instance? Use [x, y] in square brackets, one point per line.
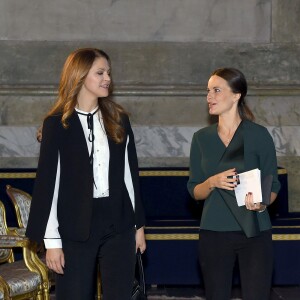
[162, 54]
[137, 20]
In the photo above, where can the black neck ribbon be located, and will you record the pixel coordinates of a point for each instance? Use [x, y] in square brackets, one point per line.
[91, 137]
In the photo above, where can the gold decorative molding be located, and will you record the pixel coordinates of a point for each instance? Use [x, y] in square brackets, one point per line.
[169, 237]
[284, 227]
[194, 236]
[172, 227]
[182, 173]
[17, 175]
[164, 173]
[286, 237]
[20, 175]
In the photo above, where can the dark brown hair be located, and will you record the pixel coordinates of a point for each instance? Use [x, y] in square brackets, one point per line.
[238, 84]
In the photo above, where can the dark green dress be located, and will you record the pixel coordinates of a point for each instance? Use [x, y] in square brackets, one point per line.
[251, 147]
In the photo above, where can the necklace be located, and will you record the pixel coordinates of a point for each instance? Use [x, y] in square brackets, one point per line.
[226, 138]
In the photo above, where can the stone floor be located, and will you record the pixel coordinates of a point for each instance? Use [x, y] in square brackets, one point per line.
[197, 293]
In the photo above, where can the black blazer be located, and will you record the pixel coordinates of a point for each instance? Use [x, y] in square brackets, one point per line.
[75, 195]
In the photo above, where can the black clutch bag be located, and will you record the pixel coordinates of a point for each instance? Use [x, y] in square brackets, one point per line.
[266, 187]
[139, 289]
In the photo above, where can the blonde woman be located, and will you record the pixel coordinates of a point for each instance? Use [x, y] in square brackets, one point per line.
[86, 202]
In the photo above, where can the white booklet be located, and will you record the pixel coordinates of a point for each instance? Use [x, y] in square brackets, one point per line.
[248, 182]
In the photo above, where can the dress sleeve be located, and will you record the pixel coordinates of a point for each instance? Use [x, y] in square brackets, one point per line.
[196, 175]
[268, 159]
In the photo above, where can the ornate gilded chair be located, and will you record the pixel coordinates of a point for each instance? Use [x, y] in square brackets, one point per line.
[6, 255]
[21, 279]
[21, 201]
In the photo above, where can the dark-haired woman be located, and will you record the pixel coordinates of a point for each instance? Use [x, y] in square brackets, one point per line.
[86, 203]
[228, 232]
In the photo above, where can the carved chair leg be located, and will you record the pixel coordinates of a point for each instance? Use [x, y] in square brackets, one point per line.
[44, 272]
[98, 285]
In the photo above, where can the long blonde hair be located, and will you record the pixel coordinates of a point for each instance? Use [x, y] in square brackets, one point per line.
[74, 73]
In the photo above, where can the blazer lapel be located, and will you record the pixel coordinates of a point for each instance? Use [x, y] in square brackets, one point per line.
[78, 133]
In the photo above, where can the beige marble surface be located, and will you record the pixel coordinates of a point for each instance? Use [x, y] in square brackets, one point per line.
[135, 20]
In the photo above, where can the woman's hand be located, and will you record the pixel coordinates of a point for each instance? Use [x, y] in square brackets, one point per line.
[224, 180]
[140, 240]
[55, 260]
[253, 206]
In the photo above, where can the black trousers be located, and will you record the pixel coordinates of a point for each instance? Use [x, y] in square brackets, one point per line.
[218, 252]
[113, 252]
